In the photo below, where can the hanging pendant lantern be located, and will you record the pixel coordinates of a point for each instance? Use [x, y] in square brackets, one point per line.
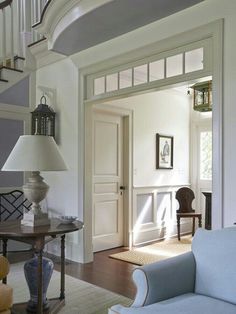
[43, 119]
[202, 100]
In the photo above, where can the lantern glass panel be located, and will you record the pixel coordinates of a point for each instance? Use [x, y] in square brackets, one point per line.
[202, 96]
[43, 120]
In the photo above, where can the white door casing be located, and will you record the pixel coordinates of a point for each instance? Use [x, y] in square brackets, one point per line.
[212, 30]
[107, 180]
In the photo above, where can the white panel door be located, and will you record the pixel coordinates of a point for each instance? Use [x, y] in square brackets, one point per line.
[107, 180]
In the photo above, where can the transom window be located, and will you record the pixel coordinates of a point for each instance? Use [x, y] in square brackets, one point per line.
[179, 62]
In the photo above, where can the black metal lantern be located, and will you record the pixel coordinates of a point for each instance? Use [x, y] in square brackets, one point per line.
[202, 100]
[43, 119]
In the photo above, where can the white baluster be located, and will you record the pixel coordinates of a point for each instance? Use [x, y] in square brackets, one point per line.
[11, 36]
[40, 8]
[27, 29]
[33, 17]
[38, 5]
[22, 16]
[18, 29]
[41, 5]
[27, 16]
[3, 35]
[44, 2]
[0, 37]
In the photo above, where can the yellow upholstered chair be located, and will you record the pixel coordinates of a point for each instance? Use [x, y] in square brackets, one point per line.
[5, 290]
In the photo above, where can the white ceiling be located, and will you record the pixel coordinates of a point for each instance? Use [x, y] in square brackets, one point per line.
[113, 19]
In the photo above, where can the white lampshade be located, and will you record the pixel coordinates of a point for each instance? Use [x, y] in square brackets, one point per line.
[35, 153]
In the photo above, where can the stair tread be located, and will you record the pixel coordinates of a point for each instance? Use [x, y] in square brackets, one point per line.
[5, 81]
[37, 41]
[18, 57]
[11, 69]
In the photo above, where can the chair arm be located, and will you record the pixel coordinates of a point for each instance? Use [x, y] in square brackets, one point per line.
[4, 267]
[165, 279]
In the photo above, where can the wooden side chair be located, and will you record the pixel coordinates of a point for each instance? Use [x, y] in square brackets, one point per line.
[185, 197]
[12, 205]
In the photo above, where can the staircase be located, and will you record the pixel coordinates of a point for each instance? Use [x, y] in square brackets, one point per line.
[16, 33]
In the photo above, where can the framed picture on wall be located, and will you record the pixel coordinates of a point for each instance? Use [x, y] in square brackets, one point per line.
[164, 151]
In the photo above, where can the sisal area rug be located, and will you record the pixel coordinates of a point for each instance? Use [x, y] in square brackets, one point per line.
[155, 252]
[81, 297]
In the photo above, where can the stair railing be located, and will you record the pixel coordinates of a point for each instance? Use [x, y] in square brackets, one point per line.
[16, 33]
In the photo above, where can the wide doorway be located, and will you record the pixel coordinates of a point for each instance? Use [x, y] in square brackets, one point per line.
[152, 208]
[173, 68]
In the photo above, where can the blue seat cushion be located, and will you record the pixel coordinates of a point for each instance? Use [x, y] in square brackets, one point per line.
[189, 303]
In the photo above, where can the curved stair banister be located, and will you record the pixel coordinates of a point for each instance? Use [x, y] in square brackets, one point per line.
[42, 14]
[5, 4]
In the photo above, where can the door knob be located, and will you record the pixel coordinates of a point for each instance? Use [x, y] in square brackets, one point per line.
[122, 187]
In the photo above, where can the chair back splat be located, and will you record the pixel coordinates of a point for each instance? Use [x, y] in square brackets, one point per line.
[185, 197]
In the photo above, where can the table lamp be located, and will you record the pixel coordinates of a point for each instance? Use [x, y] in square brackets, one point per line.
[35, 153]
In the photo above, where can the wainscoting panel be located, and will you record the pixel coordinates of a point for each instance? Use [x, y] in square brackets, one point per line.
[145, 213]
[154, 214]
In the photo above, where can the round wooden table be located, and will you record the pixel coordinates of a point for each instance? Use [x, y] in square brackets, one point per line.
[38, 237]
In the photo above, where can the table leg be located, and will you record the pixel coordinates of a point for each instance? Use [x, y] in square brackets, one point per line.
[40, 282]
[4, 253]
[62, 294]
[178, 227]
[200, 221]
[193, 230]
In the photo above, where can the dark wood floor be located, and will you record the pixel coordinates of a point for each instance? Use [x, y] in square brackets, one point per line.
[105, 272]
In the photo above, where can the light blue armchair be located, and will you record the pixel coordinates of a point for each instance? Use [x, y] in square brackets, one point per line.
[199, 282]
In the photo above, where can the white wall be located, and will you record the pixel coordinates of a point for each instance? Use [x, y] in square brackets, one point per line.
[65, 193]
[165, 112]
[62, 77]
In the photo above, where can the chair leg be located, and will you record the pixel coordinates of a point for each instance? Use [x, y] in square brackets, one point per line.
[193, 230]
[178, 227]
[200, 221]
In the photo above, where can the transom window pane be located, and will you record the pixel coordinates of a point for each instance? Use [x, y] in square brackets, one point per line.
[194, 60]
[126, 78]
[206, 155]
[99, 85]
[112, 82]
[140, 74]
[156, 70]
[174, 65]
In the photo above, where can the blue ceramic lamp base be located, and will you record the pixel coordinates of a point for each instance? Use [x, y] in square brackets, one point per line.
[31, 275]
